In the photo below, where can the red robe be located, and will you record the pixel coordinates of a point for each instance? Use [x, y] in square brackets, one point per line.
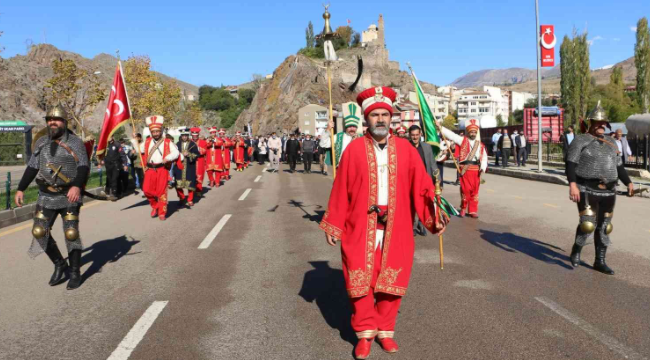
[470, 182]
[411, 191]
[213, 157]
[227, 145]
[239, 153]
[155, 179]
[200, 163]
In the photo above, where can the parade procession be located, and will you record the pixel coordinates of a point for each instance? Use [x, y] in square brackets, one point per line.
[329, 209]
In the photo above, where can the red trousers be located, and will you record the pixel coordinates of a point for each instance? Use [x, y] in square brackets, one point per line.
[200, 173]
[469, 186]
[155, 189]
[375, 313]
[240, 166]
[181, 195]
[215, 177]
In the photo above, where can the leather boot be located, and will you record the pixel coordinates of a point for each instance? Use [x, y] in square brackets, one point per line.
[60, 265]
[599, 264]
[75, 269]
[575, 255]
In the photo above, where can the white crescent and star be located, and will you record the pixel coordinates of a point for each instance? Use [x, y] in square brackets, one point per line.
[546, 45]
[117, 102]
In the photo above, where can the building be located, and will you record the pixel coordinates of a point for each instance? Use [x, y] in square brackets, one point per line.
[438, 104]
[312, 119]
[518, 100]
[406, 113]
[374, 36]
[491, 102]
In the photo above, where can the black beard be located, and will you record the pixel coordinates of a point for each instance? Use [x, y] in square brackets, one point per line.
[56, 132]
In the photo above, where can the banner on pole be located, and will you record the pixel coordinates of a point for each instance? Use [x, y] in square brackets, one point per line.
[547, 41]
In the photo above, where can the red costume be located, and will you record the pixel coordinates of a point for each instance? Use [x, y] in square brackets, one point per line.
[200, 161]
[214, 159]
[238, 151]
[158, 157]
[225, 152]
[377, 268]
[472, 158]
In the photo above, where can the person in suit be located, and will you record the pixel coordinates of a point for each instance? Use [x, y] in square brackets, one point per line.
[426, 154]
[567, 139]
[505, 145]
[624, 149]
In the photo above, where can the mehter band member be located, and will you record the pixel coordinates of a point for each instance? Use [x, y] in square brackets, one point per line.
[380, 185]
[185, 172]
[593, 169]
[200, 161]
[60, 166]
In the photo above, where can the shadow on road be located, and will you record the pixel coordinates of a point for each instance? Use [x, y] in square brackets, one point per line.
[141, 203]
[326, 286]
[105, 251]
[317, 217]
[536, 249]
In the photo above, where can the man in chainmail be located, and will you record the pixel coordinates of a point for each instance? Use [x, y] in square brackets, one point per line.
[593, 169]
[60, 166]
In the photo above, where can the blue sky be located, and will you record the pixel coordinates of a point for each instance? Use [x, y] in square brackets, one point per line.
[225, 42]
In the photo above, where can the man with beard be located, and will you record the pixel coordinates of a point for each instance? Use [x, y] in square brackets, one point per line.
[185, 173]
[60, 166]
[426, 154]
[343, 139]
[380, 185]
[158, 153]
[401, 132]
[593, 170]
[308, 148]
[472, 157]
[292, 150]
[202, 145]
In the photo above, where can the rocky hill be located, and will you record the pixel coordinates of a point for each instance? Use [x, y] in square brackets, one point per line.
[300, 81]
[22, 79]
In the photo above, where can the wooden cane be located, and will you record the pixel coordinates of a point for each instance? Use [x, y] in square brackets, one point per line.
[442, 256]
[329, 88]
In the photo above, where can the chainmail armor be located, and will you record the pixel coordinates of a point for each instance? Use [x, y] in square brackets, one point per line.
[61, 157]
[596, 160]
[604, 238]
[38, 246]
[76, 244]
[582, 239]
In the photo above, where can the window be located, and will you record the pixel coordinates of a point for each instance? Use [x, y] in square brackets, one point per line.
[473, 111]
[462, 111]
[307, 122]
[484, 110]
[473, 103]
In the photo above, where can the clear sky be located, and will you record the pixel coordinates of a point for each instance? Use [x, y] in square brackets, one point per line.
[225, 42]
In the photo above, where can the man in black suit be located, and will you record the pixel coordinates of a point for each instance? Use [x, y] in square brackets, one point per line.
[426, 153]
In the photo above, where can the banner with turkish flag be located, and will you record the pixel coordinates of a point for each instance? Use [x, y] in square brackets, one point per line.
[117, 111]
[547, 41]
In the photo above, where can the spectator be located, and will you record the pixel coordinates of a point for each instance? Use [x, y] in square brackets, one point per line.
[426, 154]
[522, 150]
[136, 161]
[567, 139]
[505, 145]
[275, 152]
[325, 152]
[261, 151]
[308, 147]
[292, 149]
[495, 148]
[624, 149]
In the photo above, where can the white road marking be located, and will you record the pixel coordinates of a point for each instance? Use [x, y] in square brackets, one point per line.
[258, 178]
[214, 232]
[243, 196]
[551, 206]
[133, 338]
[474, 284]
[606, 340]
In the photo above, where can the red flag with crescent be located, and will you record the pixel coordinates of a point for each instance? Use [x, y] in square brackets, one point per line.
[117, 111]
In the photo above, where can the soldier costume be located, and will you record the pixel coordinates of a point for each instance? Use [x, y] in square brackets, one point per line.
[594, 167]
[185, 171]
[59, 163]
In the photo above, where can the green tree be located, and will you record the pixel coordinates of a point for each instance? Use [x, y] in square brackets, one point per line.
[246, 95]
[500, 122]
[642, 62]
[567, 77]
[449, 122]
[575, 81]
[356, 40]
[511, 120]
[519, 116]
[309, 36]
[345, 33]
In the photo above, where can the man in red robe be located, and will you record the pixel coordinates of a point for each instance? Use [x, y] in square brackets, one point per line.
[227, 144]
[213, 158]
[380, 185]
[238, 152]
[158, 153]
[472, 158]
[200, 161]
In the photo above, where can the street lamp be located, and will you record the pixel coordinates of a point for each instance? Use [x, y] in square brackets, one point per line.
[539, 91]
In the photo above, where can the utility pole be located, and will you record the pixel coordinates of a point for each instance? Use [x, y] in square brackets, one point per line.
[539, 91]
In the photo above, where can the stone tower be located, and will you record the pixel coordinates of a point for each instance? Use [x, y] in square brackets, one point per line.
[380, 35]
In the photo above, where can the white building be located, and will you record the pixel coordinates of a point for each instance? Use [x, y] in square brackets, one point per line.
[312, 119]
[518, 100]
[438, 104]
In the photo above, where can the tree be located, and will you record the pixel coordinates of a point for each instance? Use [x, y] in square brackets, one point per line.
[1, 47]
[616, 86]
[519, 116]
[246, 95]
[345, 32]
[575, 77]
[567, 78]
[309, 36]
[449, 122]
[500, 122]
[511, 120]
[356, 40]
[257, 81]
[77, 89]
[642, 62]
[191, 115]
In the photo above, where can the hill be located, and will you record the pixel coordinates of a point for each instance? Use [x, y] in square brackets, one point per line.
[22, 79]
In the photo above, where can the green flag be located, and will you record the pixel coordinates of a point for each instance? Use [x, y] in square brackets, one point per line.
[431, 136]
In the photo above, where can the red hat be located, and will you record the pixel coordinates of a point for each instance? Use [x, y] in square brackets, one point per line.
[401, 130]
[222, 131]
[238, 133]
[472, 125]
[155, 122]
[212, 129]
[195, 131]
[381, 97]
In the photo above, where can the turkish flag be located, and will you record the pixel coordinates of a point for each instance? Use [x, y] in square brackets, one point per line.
[117, 111]
[547, 45]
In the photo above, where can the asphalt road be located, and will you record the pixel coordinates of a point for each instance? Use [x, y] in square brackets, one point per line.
[268, 287]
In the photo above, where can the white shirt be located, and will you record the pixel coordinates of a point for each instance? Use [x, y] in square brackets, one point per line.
[157, 156]
[478, 156]
[325, 141]
[522, 138]
[382, 186]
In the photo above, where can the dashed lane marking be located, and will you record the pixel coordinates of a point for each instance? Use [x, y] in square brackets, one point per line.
[551, 206]
[133, 338]
[27, 226]
[258, 178]
[243, 196]
[606, 340]
[517, 197]
[214, 232]
[490, 190]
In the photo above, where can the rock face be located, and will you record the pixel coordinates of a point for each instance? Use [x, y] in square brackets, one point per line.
[301, 81]
[22, 82]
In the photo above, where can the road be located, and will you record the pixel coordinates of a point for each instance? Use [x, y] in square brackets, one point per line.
[262, 283]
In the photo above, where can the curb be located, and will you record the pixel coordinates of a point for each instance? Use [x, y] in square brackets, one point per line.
[18, 215]
[526, 175]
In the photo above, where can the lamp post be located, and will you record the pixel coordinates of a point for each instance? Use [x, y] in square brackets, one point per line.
[327, 36]
[539, 91]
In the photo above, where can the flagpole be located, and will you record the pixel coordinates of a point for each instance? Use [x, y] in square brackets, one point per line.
[438, 193]
[329, 88]
[434, 120]
[126, 92]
